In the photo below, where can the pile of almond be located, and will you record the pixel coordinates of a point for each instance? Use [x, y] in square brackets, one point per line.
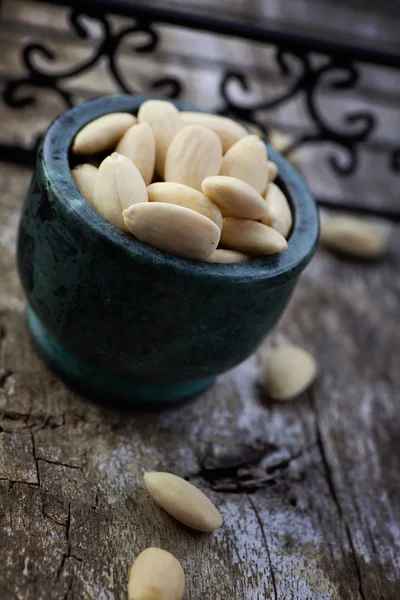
[191, 184]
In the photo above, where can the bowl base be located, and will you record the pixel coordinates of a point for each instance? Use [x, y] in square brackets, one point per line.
[97, 384]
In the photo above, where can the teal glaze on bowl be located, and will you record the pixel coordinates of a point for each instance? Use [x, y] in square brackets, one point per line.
[123, 320]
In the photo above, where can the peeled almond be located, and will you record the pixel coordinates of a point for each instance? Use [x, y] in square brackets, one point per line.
[272, 171]
[247, 160]
[352, 236]
[280, 217]
[156, 575]
[227, 256]
[194, 154]
[280, 140]
[139, 146]
[84, 177]
[119, 184]
[183, 195]
[289, 371]
[235, 197]
[102, 133]
[256, 129]
[174, 229]
[228, 131]
[165, 121]
[251, 237]
[183, 501]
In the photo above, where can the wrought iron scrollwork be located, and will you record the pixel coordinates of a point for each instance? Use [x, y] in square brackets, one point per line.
[395, 160]
[106, 49]
[308, 84]
[306, 66]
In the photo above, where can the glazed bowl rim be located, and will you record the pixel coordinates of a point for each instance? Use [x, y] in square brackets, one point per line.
[53, 158]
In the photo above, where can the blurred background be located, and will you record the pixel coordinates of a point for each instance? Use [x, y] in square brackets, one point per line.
[321, 77]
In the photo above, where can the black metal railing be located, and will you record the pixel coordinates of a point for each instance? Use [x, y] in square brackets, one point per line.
[305, 64]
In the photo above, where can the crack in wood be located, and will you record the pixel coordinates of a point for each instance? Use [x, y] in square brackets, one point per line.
[357, 566]
[5, 374]
[14, 481]
[48, 516]
[264, 536]
[35, 458]
[327, 470]
[96, 501]
[333, 494]
[235, 474]
[67, 554]
[60, 464]
[33, 423]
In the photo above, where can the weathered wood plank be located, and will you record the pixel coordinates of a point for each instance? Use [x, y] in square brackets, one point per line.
[309, 491]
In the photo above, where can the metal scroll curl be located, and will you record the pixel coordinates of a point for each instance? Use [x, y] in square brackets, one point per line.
[308, 69]
[22, 92]
[306, 84]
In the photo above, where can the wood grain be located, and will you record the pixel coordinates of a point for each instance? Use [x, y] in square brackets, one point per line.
[309, 490]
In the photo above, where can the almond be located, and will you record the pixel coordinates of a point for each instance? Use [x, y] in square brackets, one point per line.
[251, 237]
[156, 575]
[119, 184]
[139, 146]
[256, 129]
[194, 154]
[352, 236]
[174, 229]
[182, 500]
[102, 133]
[235, 197]
[228, 131]
[289, 371]
[280, 217]
[247, 160]
[280, 140]
[183, 195]
[84, 177]
[227, 256]
[272, 171]
[165, 121]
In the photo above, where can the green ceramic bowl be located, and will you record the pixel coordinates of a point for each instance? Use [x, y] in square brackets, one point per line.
[121, 320]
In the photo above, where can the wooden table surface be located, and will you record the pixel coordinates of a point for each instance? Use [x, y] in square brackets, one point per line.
[309, 490]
